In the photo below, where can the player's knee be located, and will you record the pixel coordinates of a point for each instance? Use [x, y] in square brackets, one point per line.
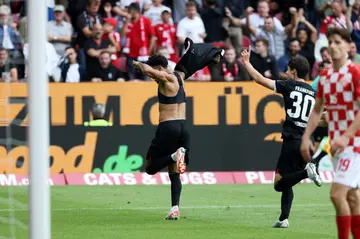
[337, 197]
[353, 199]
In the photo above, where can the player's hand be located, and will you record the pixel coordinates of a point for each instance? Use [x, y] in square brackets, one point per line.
[306, 148]
[339, 144]
[245, 54]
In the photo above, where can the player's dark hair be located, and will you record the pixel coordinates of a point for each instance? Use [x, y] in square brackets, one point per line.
[134, 6]
[301, 65]
[343, 33]
[157, 60]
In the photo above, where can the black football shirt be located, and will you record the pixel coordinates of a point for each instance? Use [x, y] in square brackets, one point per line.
[299, 99]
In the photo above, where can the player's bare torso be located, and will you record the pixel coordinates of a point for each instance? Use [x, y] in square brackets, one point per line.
[171, 111]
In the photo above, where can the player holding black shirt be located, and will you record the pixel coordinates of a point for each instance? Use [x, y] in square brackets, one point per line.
[170, 147]
[299, 99]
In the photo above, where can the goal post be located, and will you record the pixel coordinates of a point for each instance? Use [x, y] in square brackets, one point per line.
[38, 133]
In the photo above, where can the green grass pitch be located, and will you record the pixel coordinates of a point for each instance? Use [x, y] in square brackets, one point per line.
[207, 211]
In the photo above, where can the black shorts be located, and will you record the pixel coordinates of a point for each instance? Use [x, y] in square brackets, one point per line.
[290, 160]
[170, 135]
[320, 133]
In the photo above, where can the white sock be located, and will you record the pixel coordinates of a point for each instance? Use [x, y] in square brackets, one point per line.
[174, 157]
[176, 207]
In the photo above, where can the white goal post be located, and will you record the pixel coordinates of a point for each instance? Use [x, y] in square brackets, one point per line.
[38, 134]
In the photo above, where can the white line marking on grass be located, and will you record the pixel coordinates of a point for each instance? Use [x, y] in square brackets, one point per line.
[161, 208]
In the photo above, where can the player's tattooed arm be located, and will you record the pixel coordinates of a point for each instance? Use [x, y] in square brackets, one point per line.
[152, 73]
[260, 79]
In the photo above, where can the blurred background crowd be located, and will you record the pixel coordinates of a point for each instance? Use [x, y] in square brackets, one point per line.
[97, 40]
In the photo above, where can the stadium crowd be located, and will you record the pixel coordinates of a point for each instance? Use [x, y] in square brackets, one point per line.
[97, 40]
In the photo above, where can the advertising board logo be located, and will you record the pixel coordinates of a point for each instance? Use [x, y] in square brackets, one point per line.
[235, 103]
[120, 163]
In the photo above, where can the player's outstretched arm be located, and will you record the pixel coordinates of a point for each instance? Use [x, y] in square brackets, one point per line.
[152, 73]
[260, 79]
[312, 124]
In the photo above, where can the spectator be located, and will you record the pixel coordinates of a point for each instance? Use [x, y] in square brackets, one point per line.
[52, 60]
[307, 43]
[191, 26]
[324, 7]
[294, 49]
[325, 56]
[106, 71]
[143, 4]
[353, 55]
[264, 62]
[274, 36]
[114, 37]
[213, 21]
[338, 18]
[165, 34]
[256, 19]
[322, 66]
[140, 40]
[355, 19]
[229, 69]
[155, 11]
[94, 46]
[85, 23]
[59, 31]
[71, 70]
[7, 69]
[11, 40]
[234, 32]
[165, 52]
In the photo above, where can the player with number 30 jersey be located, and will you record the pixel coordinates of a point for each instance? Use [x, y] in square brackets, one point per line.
[299, 99]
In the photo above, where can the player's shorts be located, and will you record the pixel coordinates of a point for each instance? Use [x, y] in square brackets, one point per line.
[320, 133]
[347, 169]
[290, 159]
[170, 135]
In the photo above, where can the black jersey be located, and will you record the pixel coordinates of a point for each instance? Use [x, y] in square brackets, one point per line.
[299, 99]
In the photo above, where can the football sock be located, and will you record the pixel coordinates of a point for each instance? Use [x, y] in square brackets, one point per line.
[355, 226]
[287, 197]
[343, 226]
[158, 164]
[175, 188]
[289, 180]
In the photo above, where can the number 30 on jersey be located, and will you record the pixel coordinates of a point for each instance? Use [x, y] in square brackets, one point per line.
[302, 106]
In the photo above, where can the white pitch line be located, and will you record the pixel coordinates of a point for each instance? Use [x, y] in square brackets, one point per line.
[163, 208]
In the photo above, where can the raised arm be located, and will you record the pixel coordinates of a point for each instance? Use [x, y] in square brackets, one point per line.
[152, 73]
[260, 79]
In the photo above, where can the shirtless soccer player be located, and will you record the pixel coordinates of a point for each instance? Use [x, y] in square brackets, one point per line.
[170, 147]
[339, 91]
[299, 101]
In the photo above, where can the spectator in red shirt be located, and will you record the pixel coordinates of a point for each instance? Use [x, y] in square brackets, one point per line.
[140, 40]
[114, 37]
[338, 18]
[165, 33]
